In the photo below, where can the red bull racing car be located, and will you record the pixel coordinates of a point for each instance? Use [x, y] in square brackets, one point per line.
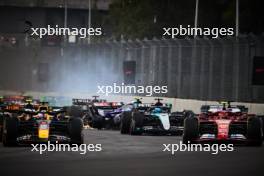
[28, 125]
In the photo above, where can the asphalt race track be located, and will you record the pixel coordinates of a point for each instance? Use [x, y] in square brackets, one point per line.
[125, 155]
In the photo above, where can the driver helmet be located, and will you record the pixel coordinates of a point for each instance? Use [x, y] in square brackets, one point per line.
[157, 110]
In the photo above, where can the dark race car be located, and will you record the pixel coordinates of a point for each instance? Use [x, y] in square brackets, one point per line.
[223, 123]
[9, 103]
[113, 117]
[108, 111]
[26, 126]
[96, 112]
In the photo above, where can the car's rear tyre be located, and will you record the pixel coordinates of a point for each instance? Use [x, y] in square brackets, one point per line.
[254, 131]
[136, 124]
[262, 122]
[191, 129]
[181, 116]
[74, 111]
[10, 130]
[75, 131]
[97, 122]
[1, 126]
[86, 120]
[125, 122]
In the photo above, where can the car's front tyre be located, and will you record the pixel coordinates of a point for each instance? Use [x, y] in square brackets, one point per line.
[191, 129]
[75, 131]
[10, 130]
[136, 124]
[254, 131]
[125, 122]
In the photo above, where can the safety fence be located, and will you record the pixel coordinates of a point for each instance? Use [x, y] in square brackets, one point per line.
[201, 68]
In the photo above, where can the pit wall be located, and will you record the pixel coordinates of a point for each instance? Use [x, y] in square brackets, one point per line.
[177, 104]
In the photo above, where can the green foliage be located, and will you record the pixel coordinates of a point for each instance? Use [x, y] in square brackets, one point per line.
[147, 18]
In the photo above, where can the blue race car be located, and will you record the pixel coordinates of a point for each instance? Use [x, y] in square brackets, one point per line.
[98, 113]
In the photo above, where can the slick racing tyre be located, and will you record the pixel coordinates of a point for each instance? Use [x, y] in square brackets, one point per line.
[74, 111]
[1, 126]
[191, 129]
[180, 116]
[97, 122]
[10, 130]
[87, 120]
[262, 122]
[136, 124]
[75, 131]
[125, 122]
[254, 131]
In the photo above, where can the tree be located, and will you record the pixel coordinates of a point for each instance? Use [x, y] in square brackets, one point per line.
[147, 18]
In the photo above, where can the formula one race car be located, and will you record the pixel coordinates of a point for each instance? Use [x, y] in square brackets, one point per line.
[26, 126]
[9, 103]
[223, 123]
[96, 112]
[106, 110]
[85, 109]
[113, 118]
[154, 118]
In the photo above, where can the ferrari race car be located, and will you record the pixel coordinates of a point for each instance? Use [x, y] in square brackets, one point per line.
[154, 118]
[26, 126]
[223, 123]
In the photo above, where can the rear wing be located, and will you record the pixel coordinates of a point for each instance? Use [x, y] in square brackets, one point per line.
[97, 102]
[147, 106]
[154, 105]
[76, 101]
[216, 108]
[108, 104]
